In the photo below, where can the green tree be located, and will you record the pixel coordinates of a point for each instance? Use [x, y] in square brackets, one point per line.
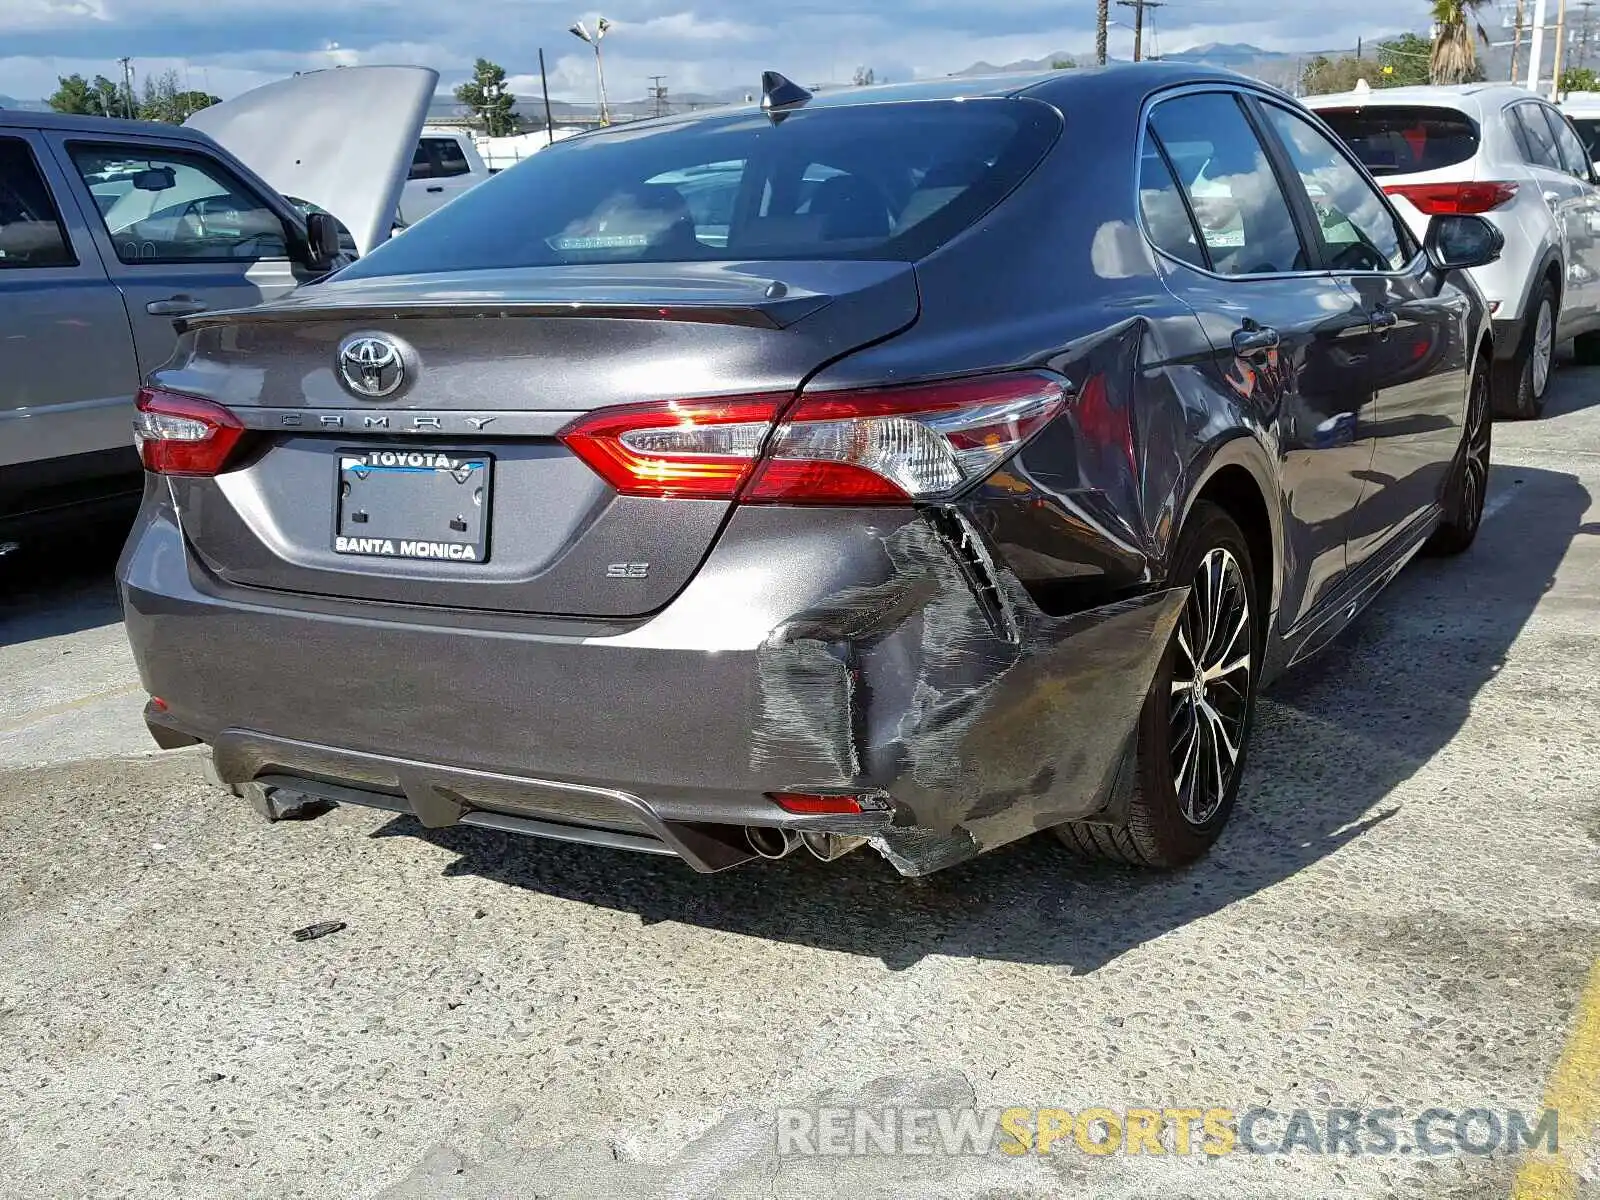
[1454, 57]
[487, 96]
[1580, 79]
[865, 77]
[101, 98]
[1063, 64]
[1323, 75]
[165, 99]
[1403, 62]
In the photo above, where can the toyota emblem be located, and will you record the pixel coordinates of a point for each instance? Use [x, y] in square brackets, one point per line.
[371, 365]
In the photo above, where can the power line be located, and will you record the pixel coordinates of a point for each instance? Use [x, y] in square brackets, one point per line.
[1138, 7]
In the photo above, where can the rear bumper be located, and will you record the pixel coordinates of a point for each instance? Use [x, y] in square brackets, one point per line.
[823, 651]
[1507, 337]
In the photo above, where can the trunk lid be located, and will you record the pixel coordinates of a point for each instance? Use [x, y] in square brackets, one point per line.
[496, 364]
[342, 139]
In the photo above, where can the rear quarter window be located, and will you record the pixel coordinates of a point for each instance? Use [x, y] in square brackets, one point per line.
[878, 181]
[1405, 140]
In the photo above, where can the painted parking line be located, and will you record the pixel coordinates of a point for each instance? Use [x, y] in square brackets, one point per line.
[42, 714]
[1574, 1093]
[1499, 500]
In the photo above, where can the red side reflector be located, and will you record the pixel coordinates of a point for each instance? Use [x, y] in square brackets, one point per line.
[1454, 199]
[157, 703]
[183, 435]
[805, 804]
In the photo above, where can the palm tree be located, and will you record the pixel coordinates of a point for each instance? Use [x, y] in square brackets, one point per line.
[1455, 51]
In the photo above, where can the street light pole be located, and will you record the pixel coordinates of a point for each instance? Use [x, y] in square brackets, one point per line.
[581, 31]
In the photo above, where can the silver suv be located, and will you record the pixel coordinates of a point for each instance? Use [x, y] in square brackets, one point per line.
[1497, 150]
[111, 230]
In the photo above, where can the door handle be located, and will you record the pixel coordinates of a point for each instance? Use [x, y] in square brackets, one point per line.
[1253, 340]
[176, 306]
[436, 191]
[1383, 319]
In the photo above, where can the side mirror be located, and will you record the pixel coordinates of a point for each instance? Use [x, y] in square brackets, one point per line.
[1459, 243]
[322, 231]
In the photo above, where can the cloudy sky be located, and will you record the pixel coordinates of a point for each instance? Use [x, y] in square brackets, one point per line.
[228, 46]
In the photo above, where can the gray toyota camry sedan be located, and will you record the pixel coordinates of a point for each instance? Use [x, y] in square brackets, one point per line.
[915, 467]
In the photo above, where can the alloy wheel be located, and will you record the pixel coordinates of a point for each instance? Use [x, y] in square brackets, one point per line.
[1544, 347]
[1475, 467]
[1211, 678]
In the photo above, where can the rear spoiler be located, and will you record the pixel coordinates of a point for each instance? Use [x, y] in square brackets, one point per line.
[777, 313]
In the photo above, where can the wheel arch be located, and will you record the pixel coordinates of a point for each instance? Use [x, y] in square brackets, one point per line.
[1238, 477]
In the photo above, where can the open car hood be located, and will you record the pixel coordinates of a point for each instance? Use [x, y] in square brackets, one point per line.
[341, 139]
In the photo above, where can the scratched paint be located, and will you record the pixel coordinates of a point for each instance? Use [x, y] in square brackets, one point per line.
[984, 717]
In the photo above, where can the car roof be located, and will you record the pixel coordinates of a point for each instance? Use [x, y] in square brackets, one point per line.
[16, 118]
[1472, 98]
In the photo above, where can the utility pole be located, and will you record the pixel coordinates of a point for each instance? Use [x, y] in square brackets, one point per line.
[1138, 7]
[1101, 21]
[1516, 41]
[658, 93]
[1536, 46]
[1561, 40]
[1585, 32]
[127, 86]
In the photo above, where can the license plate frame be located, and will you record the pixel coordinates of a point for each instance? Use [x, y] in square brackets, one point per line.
[413, 505]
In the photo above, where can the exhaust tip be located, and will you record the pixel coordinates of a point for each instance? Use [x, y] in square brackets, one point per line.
[771, 843]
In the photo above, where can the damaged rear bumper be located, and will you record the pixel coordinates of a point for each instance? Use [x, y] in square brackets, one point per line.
[882, 654]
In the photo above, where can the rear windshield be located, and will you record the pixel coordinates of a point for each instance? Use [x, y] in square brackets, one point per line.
[1589, 130]
[882, 181]
[1403, 140]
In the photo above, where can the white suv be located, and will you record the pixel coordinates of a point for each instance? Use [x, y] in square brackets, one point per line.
[1500, 151]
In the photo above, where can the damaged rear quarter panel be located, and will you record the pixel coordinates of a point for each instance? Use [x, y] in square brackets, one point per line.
[946, 686]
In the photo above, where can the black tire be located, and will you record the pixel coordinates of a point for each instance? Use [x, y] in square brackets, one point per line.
[1516, 389]
[1469, 476]
[1168, 826]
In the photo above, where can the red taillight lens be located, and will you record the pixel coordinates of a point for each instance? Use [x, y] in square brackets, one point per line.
[878, 446]
[183, 435]
[691, 449]
[1454, 199]
[891, 445]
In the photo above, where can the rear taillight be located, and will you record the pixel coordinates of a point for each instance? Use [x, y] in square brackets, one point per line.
[183, 435]
[1454, 199]
[689, 449]
[877, 446]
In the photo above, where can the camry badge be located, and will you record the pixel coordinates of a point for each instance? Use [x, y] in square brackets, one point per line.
[371, 365]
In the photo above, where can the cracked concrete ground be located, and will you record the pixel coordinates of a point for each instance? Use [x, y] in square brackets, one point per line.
[1402, 914]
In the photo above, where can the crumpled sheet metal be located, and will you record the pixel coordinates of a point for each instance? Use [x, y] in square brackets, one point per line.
[982, 716]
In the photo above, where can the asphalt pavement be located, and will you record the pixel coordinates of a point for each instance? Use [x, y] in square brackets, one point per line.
[1401, 919]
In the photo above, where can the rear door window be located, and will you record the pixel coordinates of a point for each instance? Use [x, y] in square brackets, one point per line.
[166, 206]
[871, 181]
[450, 159]
[1165, 212]
[31, 233]
[1537, 142]
[1222, 167]
[1405, 139]
[1574, 158]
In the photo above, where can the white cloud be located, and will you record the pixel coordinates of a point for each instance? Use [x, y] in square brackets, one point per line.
[699, 45]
